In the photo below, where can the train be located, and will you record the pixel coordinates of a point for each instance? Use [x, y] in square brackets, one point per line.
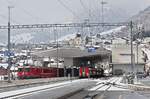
[90, 72]
[36, 72]
[27, 72]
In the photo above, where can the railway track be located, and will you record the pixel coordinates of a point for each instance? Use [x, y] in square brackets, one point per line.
[108, 86]
[103, 86]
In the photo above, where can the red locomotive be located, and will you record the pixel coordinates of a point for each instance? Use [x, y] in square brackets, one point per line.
[88, 72]
[38, 72]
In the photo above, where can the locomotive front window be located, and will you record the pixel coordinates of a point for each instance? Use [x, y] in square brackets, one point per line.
[19, 69]
[27, 69]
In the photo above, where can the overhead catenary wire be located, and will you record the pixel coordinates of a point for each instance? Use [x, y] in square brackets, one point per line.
[6, 18]
[28, 13]
[66, 7]
[3, 16]
[82, 4]
[88, 10]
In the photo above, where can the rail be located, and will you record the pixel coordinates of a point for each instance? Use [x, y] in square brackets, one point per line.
[105, 85]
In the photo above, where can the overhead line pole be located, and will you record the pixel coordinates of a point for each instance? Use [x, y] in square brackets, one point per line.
[102, 11]
[57, 53]
[9, 44]
[103, 20]
[132, 54]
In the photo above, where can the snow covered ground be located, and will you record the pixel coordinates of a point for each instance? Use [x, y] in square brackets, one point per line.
[101, 85]
[38, 89]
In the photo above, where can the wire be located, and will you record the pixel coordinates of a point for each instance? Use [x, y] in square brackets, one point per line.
[29, 14]
[36, 18]
[5, 17]
[90, 11]
[82, 4]
[70, 10]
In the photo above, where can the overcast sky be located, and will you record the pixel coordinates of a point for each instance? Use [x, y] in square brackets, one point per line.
[52, 11]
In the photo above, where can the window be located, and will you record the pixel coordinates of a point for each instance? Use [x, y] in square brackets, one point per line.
[27, 69]
[19, 69]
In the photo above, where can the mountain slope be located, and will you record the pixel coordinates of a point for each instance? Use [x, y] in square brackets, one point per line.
[143, 18]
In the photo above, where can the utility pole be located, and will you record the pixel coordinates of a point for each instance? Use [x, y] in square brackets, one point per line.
[9, 44]
[55, 42]
[137, 49]
[132, 55]
[57, 53]
[131, 36]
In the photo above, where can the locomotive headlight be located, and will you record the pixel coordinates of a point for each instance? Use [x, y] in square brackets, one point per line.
[80, 74]
[87, 74]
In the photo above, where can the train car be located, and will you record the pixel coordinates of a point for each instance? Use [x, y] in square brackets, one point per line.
[72, 72]
[61, 72]
[36, 72]
[99, 73]
[89, 72]
[84, 72]
[76, 72]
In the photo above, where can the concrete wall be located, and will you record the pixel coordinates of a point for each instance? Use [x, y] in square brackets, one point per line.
[127, 67]
[121, 53]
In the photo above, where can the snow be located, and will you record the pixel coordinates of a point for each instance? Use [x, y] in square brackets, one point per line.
[147, 52]
[67, 37]
[2, 44]
[22, 38]
[5, 65]
[118, 29]
[33, 89]
[101, 87]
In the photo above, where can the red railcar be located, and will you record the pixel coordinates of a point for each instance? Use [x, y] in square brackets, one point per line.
[87, 72]
[38, 72]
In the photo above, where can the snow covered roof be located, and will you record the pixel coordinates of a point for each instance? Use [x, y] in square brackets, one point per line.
[5, 65]
[72, 52]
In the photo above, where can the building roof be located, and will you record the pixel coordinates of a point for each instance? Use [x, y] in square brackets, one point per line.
[72, 52]
[4, 65]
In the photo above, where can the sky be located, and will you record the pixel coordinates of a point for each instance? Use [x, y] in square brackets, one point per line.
[54, 11]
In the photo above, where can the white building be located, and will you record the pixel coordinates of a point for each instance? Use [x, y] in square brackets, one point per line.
[121, 58]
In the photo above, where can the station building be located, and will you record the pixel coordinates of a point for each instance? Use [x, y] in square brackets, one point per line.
[76, 56]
